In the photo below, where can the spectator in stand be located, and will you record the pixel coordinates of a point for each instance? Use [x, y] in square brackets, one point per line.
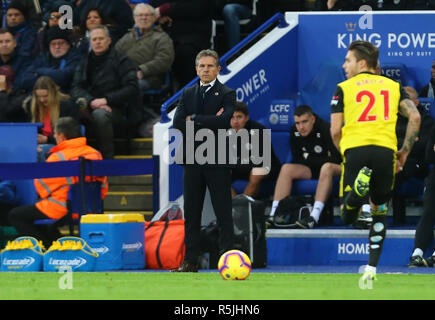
[8, 53]
[424, 231]
[188, 23]
[92, 17]
[117, 13]
[254, 175]
[53, 192]
[46, 105]
[105, 83]
[51, 19]
[415, 165]
[428, 90]
[59, 62]
[48, 5]
[23, 30]
[11, 100]
[311, 148]
[232, 11]
[149, 47]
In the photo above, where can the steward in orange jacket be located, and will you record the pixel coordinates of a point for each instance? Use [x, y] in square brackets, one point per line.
[54, 191]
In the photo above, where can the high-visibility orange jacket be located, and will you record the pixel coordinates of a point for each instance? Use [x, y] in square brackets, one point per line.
[54, 191]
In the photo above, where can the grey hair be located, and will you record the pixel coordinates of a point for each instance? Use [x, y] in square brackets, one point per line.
[207, 53]
[100, 26]
[145, 6]
[69, 127]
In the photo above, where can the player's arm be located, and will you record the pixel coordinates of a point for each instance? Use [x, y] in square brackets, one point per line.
[408, 110]
[337, 116]
[336, 125]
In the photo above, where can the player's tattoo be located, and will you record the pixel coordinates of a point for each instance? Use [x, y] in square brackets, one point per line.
[408, 110]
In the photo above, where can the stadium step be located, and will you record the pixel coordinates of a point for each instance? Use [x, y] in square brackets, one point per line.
[131, 194]
[147, 214]
[131, 183]
[129, 200]
[138, 146]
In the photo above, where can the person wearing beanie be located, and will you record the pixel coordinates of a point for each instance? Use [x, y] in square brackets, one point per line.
[23, 30]
[59, 62]
[51, 18]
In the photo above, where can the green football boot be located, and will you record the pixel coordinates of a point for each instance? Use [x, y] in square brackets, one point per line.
[362, 182]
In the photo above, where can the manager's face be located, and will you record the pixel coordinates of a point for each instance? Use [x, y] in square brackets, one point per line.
[207, 69]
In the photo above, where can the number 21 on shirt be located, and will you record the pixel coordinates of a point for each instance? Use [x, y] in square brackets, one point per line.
[365, 115]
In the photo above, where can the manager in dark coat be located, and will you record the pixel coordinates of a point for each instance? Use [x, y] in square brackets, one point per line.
[207, 105]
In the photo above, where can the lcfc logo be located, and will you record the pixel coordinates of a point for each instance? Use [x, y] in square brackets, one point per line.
[273, 118]
[350, 26]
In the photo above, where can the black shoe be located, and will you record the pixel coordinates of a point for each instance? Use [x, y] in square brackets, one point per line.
[306, 223]
[417, 261]
[430, 261]
[186, 267]
[364, 221]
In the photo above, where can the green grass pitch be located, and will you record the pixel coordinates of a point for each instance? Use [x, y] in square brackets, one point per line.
[210, 286]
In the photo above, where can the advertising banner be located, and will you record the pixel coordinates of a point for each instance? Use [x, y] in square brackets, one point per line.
[405, 40]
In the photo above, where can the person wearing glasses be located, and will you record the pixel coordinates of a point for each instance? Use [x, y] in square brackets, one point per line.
[51, 18]
[59, 62]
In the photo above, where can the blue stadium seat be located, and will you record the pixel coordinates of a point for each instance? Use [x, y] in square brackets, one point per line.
[429, 105]
[398, 72]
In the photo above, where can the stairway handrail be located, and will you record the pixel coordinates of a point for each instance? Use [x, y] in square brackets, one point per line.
[223, 60]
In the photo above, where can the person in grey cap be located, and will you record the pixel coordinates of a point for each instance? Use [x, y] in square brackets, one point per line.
[59, 62]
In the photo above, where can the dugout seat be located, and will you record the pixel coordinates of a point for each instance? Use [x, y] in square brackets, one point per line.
[398, 72]
[429, 105]
[280, 122]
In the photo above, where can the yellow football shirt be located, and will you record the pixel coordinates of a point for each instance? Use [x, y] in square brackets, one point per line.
[369, 104]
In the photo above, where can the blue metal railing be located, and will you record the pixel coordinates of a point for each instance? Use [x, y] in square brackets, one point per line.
[278, 17]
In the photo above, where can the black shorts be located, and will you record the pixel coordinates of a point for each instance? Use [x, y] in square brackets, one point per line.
[381, 160]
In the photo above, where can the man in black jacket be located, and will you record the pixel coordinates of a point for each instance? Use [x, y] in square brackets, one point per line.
[424, 231]
[205, 108]
[428, 90]
[415, 165]
[249, 171]
[105, 82]
[314, 156]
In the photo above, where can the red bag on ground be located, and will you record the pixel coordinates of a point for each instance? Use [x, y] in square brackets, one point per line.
[164, 244]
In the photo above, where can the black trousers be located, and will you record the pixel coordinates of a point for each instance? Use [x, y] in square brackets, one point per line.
[23, 218]
[4, 213]
[424, 231]
[195, 181]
